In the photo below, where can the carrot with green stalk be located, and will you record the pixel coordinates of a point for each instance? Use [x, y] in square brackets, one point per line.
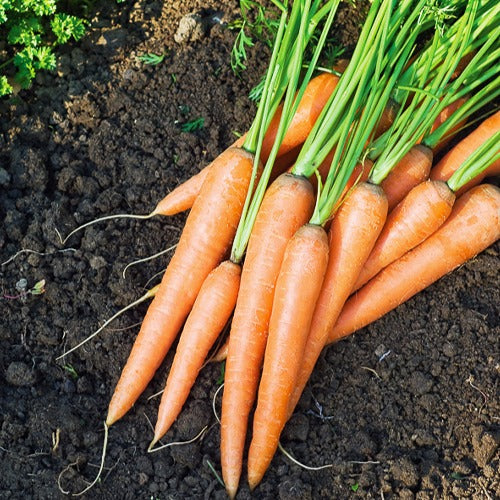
[286, 333]
[202, 246]
[361, 221]
[426, 207]
[175, 395]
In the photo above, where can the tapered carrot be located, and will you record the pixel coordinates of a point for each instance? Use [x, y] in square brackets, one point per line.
[473, 225]
[419, 214]
[287, 205]
[354, 230]
[455, 157]
[207, 236]
[297, 290]
[211, 311]
[411, 170]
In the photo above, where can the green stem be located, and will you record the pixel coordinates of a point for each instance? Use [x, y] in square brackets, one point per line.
[476, 163]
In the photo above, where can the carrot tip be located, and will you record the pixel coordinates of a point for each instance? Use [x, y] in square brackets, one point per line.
[152, 444]
[231, 491]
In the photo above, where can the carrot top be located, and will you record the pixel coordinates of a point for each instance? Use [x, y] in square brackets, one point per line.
[429, 97]
[476, 163]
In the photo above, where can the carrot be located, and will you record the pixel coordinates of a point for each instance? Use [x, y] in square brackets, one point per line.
[455, 157]
[287, 205]
[473, 225]
[202, 245]
[297, 290]
[353, 233]
[420, 214]
[410, 171]
[211, 311]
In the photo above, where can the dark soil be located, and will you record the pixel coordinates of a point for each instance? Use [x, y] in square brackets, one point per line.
[407, 408]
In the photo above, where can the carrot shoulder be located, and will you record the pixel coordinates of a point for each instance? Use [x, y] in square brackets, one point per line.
[473, 225]
[456, 156]
[207, 236]
[413, 169]
[297, 290]
[287, 205]
[423, 210]
[353, 233]
[211, 311]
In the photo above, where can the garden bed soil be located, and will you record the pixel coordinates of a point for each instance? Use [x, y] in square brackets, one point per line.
[406, 408]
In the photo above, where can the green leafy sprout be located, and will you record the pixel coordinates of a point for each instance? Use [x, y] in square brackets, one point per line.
[151, 59]
[33, 30]
[193, 125]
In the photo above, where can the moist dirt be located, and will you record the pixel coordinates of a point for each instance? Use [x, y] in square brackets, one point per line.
[406, 408]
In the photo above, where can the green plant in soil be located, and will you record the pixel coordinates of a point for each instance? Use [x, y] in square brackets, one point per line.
[32, 31]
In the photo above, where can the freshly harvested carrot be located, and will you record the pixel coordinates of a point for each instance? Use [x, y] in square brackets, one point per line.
[410, 171]
[419, 214]
[455, 157]
[207, 235]
[473, 225]
[297, 290]
[211, 311]
[354, 230]
[287, 205]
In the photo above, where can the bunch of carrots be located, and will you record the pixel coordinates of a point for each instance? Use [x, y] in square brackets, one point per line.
[327, 214]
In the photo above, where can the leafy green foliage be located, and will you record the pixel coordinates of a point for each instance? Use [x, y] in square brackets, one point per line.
[193, 125]
[33, 30]
[65, 27]
[152, 59]
[256, 23]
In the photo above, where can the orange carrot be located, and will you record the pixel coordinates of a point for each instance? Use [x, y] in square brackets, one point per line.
[207, 235]
[287, 205]
[420, 214]
[297, 290]
[413, 169]
[354, 230]
[473, 225]
[456, 156]
[211, 311]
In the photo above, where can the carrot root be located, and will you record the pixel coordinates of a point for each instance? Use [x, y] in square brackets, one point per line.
[297, 290]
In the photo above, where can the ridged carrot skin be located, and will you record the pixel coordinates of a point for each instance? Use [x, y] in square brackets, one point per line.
[473, 226]
[287, 205]
[421, 213]
[354, 230]
[207, 236]
[413, 169]
[211, 312]
[297, 290]
[456, 156]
